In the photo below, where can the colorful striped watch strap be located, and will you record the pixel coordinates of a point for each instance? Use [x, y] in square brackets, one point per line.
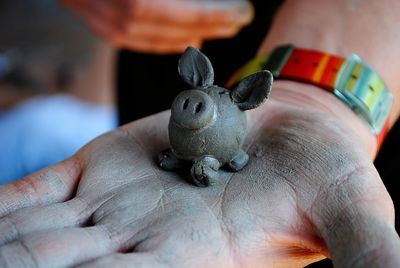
[351, 80]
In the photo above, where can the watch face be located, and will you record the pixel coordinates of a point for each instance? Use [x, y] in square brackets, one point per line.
[364, 91]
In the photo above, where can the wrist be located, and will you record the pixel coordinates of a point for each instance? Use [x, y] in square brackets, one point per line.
[309, 98]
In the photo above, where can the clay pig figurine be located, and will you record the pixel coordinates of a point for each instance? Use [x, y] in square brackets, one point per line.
[208, 122]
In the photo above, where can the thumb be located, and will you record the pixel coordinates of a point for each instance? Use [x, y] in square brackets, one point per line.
[356, 221]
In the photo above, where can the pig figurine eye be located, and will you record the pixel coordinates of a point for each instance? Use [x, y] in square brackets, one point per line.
[206, 129]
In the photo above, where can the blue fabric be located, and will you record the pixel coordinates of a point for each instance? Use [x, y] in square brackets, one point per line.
[45, 130]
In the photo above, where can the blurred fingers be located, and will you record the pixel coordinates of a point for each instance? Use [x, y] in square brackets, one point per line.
[162, 26]
[175, 31]
[50, 185]
[142, 42]
[158, 45]
[236, 12]
[149, 36]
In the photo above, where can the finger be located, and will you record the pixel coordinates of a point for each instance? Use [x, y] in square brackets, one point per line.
[126, 260]
[106, 11]
[158, 45]
[139, 43]
[107, 21]
[61, 248]
[191, 12]
[142, 43]
[148, 29]
[142, 36]
[355, 218]
[39, 219]
[359, 238]
[50, 185]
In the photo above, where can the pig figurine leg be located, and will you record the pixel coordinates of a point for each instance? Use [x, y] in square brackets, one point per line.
[204, 171]
[168, 161]
[239, 161]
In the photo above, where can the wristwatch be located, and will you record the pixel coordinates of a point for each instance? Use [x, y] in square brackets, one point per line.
[350, 79]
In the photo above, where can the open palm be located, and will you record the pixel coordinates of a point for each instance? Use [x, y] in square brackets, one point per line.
[308, 187]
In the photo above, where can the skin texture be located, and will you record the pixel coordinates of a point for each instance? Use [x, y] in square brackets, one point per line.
[159, 26]
[208, 123]
[309, 191]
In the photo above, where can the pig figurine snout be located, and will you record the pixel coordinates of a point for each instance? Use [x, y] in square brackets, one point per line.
[208, 123]
[193, 109]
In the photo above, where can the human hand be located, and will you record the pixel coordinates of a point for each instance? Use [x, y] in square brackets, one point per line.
[159, 26]
[310, 190]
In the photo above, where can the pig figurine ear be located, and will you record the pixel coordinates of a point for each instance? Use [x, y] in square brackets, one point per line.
[195, 68]
[253, 90]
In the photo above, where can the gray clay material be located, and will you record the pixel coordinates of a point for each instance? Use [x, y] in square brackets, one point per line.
[208, 123]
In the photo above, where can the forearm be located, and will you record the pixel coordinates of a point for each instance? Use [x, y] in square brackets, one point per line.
[367, 28]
